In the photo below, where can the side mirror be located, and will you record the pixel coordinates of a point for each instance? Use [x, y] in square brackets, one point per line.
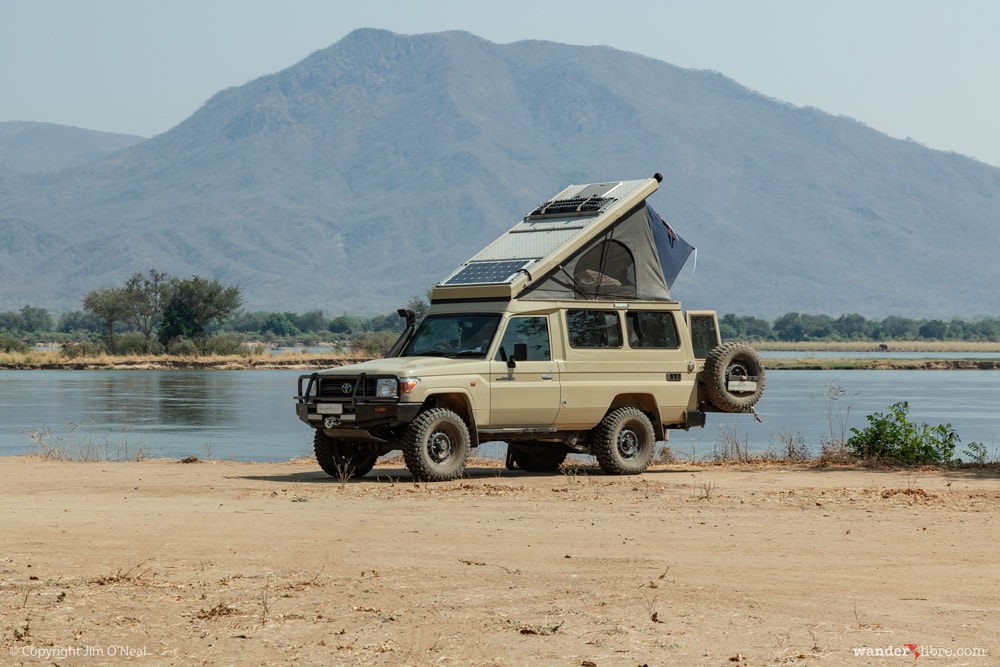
[404, 338]
[409, 315]
[521, 351]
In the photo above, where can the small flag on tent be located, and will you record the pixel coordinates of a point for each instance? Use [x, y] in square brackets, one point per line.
[672, 249]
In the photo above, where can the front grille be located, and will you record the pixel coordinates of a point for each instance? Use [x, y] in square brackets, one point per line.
[346, 386]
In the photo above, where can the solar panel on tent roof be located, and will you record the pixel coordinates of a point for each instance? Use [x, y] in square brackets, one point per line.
[482, 273]
[590, 200]
[545, 232]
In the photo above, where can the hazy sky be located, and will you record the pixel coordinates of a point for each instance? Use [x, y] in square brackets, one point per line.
[921, 69]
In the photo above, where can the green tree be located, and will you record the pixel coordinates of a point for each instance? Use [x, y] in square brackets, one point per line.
[280, 324]
[312, 321]
[36, 319]
[248, 322]
[895, 327]
[984, 329]
[816, 326]
[419, 305]
[345, 324]
[111, 306]
[390, 322]
[933, 329]
[11, 321]
[956, 329]
[149, 296]
[789, 327]
[194, 304]
[78, 320]
[852, 327]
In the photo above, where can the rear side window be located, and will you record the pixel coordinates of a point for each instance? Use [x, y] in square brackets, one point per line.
[648, 328]
[593, 328]
[704, 335]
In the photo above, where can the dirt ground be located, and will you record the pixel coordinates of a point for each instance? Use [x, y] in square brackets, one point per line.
[218, 563]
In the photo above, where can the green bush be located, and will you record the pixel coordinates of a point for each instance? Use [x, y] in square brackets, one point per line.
[135, 343]
[892, 437]
[182, 347]
[373, 343]
[225, 345]
[84, 348]
[12, 344]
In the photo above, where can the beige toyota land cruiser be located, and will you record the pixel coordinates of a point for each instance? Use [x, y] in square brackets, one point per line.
[559, 337]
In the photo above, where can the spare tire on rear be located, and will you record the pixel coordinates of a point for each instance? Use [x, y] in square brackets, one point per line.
[734, 377]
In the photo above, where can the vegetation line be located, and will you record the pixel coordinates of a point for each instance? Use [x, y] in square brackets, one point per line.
[177, 320]
[262, 360]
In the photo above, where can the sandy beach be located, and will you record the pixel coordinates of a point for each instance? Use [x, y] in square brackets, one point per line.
[218, 563]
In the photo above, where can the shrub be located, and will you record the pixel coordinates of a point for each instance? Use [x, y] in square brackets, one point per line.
[84, 348]
[12, 344]
[225, 345]
[373, 344]
[134, 342]
[182, 347]
[893, 437]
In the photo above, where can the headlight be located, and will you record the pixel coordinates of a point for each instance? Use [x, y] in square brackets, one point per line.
[386, 388]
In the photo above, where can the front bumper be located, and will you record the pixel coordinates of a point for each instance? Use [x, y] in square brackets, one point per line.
[348, 401]
[356, 414]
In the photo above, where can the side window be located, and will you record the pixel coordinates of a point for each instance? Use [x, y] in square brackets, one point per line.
[532, 332]
[650, 328]
[593, 328]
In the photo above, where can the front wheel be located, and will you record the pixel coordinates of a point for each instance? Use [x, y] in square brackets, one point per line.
[624, 442]
[343, 458]
[436, 445]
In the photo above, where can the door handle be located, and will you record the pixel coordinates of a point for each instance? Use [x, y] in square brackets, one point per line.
[546, 376]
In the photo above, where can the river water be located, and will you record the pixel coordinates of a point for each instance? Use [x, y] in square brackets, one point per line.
[250, 416]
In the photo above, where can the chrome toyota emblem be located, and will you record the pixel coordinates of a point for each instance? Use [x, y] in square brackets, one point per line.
[346, 388]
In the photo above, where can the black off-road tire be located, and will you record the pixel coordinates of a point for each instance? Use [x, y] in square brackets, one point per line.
[436, 445]
[624, 442]
[343, 459]
[536, 458]
[732, 361]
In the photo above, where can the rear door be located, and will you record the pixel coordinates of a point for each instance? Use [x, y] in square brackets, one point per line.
[704, 328]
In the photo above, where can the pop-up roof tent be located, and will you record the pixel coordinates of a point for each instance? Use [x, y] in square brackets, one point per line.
[595, 241]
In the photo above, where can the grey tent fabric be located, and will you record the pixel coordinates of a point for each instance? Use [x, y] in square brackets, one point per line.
[672, 249]
[621, 263]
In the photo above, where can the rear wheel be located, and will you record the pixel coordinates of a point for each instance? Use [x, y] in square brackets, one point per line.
[343, 458]
[436, 445]
[624, 442]
[536, 457]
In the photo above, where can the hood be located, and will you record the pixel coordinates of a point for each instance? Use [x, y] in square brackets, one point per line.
[411, 367]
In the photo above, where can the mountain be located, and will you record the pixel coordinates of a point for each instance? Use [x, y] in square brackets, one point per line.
[33, 148]
[363, 174]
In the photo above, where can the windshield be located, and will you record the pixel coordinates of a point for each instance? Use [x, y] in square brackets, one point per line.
[462, 335]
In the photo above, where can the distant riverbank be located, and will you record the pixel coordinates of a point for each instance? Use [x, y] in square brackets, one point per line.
[308, 361]
[868, 355]
[288, 361]
[812, 364]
